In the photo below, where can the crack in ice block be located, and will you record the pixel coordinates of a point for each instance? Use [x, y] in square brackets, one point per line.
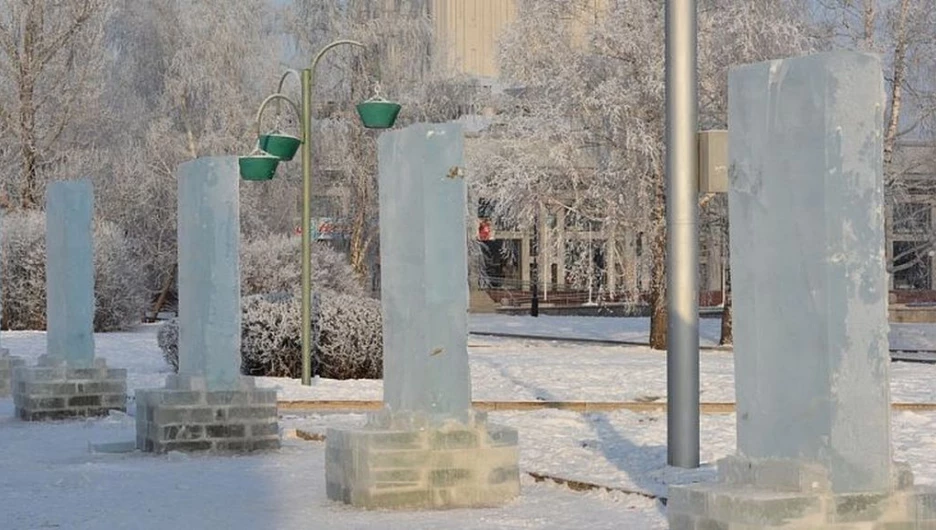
[70, 272]
[808, 271]
[424, 270]
[209, 271]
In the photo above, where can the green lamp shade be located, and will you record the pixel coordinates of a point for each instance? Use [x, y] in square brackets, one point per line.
[378, 114]
[282, 146]
[258, 167]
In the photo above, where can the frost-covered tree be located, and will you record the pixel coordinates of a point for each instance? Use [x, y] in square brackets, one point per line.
[586, 132]
[51, 61]
[185, 80]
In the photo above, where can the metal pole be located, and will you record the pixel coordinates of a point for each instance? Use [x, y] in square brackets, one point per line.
[534, 271]
[682, 244]
[306, 230]
[307, 78]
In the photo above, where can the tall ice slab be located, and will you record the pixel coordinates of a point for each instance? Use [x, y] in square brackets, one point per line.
[424, 270]
[209, 271]
[70, 272]
[68, 380]
[809, 284]
[208, 405]
[427, 448]
[808, 271]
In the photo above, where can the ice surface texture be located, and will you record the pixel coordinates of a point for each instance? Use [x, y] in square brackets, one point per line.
[424, 271]
[209, 271]
[70, 272]
[808, 271]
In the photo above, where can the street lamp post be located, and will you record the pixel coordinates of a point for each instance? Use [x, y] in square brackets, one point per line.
[534, 270]
[374, 114]
[682, 236]
[306, 232]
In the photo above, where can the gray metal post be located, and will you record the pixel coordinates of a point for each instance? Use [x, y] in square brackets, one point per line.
[682, 244]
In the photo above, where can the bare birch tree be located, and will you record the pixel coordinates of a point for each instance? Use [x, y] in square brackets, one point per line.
[51, 59]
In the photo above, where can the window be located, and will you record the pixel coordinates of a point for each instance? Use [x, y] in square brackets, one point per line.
[912, 265]
[486, 208]
[912, 218]
[576, 221]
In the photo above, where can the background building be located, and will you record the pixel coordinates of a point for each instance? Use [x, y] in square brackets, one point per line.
[911, 214]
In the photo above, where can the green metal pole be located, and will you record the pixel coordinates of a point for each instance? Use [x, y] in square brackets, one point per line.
[306, 228]
[307, 78]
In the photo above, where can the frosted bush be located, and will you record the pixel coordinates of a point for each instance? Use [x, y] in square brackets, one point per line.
[118, 293]
[168, 339]
[24, 300]
[273, 264]
[270, 343]
[350, 344]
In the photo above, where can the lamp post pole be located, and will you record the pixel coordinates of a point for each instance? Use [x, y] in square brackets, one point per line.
[534, 270]
[375, 113]
[682, 242]
[307, 77]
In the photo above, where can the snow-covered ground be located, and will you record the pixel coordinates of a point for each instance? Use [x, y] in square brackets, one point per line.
[51, 478]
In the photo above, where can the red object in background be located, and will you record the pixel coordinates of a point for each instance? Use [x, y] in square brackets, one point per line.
[484, 230]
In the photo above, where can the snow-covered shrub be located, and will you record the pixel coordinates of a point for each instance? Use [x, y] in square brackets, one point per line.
[270, 343]
[118, 293]
[24, 301]
[273, 264]
[349, 346]
[168, 339]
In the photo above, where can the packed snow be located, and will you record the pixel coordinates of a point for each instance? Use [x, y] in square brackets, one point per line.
[60, 475]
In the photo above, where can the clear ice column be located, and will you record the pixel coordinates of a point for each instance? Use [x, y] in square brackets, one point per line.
[70, 272]
[806, 206]
[424, 269]
[209, 271]
[807, 265]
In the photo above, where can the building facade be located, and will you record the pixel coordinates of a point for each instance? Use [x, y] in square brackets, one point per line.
[466, 33]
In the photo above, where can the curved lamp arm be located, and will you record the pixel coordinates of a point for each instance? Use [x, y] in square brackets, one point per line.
[332, 45]
[270, 98]
[279, 87]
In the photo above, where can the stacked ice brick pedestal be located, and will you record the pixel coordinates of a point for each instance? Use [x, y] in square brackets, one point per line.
[68, 380]
[7, 364]
[209, 405]
[54, 390]
[427, 448]
[809, 285]
[188, 415]
[410, 461]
